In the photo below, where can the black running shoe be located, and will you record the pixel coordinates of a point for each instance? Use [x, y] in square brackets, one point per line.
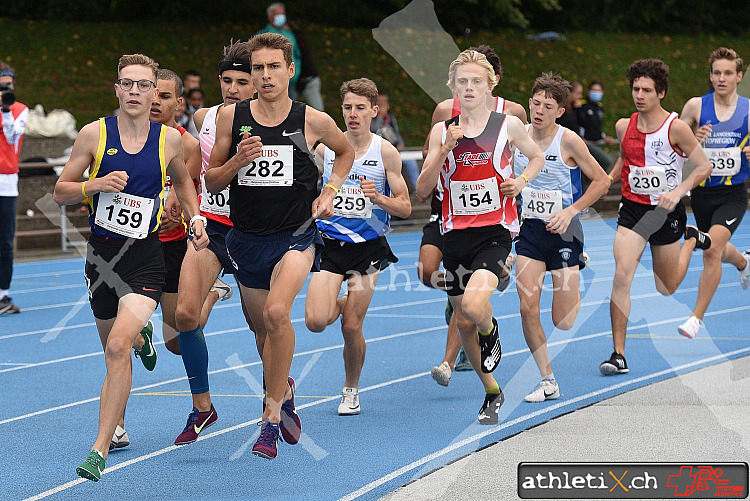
[490, 408]
[491, 350]
[615, 365]
[702, 240]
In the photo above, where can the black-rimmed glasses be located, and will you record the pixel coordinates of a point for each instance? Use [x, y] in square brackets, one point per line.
[144, 85]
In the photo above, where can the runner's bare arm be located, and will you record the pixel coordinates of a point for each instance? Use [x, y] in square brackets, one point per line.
[321, 127]
[441, 113]
[198, 118]
[519, 137]
[516, 110]
[183, 186]
[682, 137]
[398, 204]
[600, 182]
[320, 157]
[222, 169]
[68, 187]
[436, 156]
[691, 114]
[620, 128]
[181, 183]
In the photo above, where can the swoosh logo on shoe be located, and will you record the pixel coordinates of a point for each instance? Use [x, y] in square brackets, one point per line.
[730, 222]
[119, 437]
[198, 429]
[547, 395]
[151, 350]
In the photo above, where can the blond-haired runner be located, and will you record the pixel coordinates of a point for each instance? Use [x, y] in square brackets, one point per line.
[471, 156]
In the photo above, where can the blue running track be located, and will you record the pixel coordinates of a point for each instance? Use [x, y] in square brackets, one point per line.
[52, 368]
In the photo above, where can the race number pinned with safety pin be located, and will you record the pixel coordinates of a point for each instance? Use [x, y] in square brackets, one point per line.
[540, 204]
[351, 202]
[724, 161]
[214, 203]
[274, 167]
[470, 198]
[648, 180]
[124, 214]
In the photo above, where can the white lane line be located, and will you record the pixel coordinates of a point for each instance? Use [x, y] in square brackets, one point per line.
[226, 369]
[208, 436]
[383, 338]
[50, 288]
[495, 429]
[49, 274]
[402, 305]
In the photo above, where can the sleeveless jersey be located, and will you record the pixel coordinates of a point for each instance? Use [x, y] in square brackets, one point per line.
[651, 166]
[357, 219]
[732, 133]
[437, 194]
[471, 178]
[136, 210]
[180, 232]
[274, 192]
[214, 207]
[556, 187]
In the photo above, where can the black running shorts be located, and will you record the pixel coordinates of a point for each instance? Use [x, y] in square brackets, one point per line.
[466, 251]
[431, 232]
[362, 258]
[174, 253]
[652, 222]
[118, 266]
[556, 251]
[719, 205]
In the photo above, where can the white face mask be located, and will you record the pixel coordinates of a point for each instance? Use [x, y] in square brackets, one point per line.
[279, 20]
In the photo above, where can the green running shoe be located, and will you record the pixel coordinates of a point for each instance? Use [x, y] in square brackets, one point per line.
[147, 354]
[92, 468]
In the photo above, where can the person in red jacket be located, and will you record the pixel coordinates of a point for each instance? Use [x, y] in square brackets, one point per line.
[14, 125]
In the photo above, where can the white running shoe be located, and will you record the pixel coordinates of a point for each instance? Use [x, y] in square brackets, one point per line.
[691, 327]
[442, 374]
[119, 439]
[349, 405]
[547, 390]
[504, 281]
[224, 290]
[745, 274]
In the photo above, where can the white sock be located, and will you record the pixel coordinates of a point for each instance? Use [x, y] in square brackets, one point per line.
[3, 293]
[549, 377]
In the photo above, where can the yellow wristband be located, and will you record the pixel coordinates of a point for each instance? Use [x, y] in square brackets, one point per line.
[329, 185]
[83, 189]
[525, 178]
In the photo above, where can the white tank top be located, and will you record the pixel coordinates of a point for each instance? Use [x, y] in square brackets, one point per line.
[556, 187]
[356, 218]
[213, 206]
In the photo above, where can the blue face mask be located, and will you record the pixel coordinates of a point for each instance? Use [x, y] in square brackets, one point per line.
[279, 20]
[596, 95]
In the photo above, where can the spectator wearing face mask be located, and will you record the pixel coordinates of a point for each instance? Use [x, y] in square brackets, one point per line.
[590, 117]
[305, 83]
